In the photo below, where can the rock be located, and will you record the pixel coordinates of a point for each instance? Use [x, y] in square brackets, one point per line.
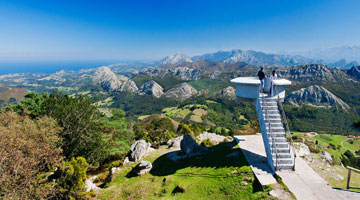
[213, 137]
[182, 91]
[115, 170]
[326, 156]
[138, 149]
[142, 168]
[340, 177]
[189, 146]
[316, 96]
[126, 160]
[151, 88]
[175, 142]
[89, 185]
[227, 93]
[111, 82]
[304, 150]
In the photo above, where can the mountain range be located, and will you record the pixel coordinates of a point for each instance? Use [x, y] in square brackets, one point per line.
[342, 57]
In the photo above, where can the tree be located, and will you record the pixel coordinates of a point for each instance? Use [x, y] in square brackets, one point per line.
[28, 150]
[119, 131]
[80, 120]
[160, 130]
[33, 104]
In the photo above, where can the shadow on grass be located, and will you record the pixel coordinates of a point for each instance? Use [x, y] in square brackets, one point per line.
[219, 156]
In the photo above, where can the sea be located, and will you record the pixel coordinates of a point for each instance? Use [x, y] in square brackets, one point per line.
[10, 67]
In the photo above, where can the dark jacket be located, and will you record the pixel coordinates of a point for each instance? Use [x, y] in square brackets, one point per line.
[261, 75]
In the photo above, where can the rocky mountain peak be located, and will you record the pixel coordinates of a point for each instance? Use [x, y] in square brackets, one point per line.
[111, 82]
[182, 91]
[151, 88]
[177, 58]
[354, 71]
[316, 96]
[313, 73]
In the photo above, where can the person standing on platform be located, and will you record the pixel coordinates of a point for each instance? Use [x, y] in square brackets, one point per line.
[274, 75]
[261, 75]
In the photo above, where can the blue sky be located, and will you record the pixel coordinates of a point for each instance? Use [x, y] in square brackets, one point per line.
[122, 30]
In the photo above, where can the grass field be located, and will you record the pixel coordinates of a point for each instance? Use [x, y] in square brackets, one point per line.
[211, 85]
[223, 173]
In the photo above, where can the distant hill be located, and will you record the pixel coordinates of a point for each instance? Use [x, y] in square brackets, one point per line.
[349, 53]
[11, 95]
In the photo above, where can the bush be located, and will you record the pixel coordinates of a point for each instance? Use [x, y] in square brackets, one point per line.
[28, 151]
[207, 143]
[73, 175]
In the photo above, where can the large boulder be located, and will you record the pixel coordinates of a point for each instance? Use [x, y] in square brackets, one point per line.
[326, 157]
[89, 184]
[138, 149]
[213, 137]
[303, 150]
[142, 168]
[175, 142]
[189, 146]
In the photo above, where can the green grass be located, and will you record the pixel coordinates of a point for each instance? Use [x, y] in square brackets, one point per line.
[338, 140]
[209, 176]
[211, 85]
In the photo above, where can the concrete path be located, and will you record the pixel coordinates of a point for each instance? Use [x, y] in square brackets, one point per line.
[304, 182]
[253, 148]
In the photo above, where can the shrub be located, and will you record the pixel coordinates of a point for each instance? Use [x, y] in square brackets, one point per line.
[73, 175]
[28, 150]
[207, 143]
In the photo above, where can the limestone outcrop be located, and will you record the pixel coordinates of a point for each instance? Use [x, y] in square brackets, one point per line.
[151, 88]
[109, 81]
[182, 91]
[316, 96]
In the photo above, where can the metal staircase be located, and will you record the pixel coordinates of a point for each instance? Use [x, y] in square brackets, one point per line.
[280, 154]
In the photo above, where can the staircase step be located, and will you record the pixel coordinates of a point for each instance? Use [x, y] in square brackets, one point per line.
[273, 121]
[281, 155]
[281, 145]
[271, 117]
[277, 140]
[267, 100]
[276, 136]
[285, 167]
[268, 109]
[275, 129]
[280, 150]
[273, 112]
[274, 125]
[283, 161]
[268, 104]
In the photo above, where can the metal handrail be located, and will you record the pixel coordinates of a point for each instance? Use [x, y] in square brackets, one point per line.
[286, 123]
[272, 138]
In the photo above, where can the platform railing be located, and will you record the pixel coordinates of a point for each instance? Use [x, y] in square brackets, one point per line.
[273, 147]
[288, 133]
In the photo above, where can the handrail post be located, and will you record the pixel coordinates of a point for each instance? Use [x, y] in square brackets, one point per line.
[348, 180]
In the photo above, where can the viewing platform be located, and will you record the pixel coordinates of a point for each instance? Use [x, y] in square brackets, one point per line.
[248, 88]
[277, 140]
